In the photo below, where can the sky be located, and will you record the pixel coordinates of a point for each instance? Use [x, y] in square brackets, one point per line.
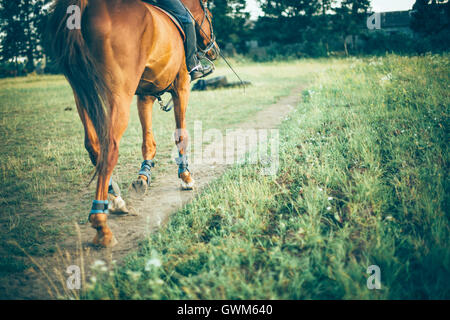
[377, 6]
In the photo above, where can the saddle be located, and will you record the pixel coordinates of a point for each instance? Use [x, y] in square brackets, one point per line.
[145, 86]
[172, 17]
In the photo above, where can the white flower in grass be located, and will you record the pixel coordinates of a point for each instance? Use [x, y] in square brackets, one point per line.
[387, 77]
[153, 262]
[134, 275]
[330, 198]
[98, 264]
[157, 282]
[328, 208]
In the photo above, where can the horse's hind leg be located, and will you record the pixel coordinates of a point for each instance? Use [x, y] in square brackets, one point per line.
[119, 116]
[116, 203]
[180, 96]
[145, 108]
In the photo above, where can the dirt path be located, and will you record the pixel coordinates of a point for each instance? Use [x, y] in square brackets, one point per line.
[150, 212]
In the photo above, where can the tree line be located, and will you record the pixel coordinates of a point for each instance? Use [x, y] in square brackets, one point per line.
[287, 27]
[319, 28]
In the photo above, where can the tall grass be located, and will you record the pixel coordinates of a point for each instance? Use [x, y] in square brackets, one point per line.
[363, 181]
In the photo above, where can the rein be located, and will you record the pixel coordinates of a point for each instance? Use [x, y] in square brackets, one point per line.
[212, 39]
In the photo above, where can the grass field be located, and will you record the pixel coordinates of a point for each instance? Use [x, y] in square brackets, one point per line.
[44, 168]
[363, 180]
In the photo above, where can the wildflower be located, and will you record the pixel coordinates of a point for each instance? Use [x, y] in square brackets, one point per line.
[330, 198]
[387, 77]
[153, 262]
[134, 275]
[98, 264]
[328, 208]
[157, 281]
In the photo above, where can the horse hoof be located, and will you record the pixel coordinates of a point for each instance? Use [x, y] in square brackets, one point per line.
[117, 205]
[187, 182]
[104, 240]
[139, 186]
[104, 237]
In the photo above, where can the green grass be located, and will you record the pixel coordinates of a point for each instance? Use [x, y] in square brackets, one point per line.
[363, 181]
[44, 168]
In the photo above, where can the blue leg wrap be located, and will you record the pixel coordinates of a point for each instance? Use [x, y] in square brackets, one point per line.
[146, 169]
[113, 188]
[182, 163]
[99, 206]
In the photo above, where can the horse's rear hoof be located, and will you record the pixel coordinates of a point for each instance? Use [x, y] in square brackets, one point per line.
[139, 186]
[117, 205]
[187, 182]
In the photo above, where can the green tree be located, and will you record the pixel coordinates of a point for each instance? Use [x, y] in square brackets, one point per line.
[324, 26]
[288, 21]
[231, 22]
[349, 19]
[430, 16]
[21, 30]
[289, 8]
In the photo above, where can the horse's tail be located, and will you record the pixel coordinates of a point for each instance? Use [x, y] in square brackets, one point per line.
[68, 47]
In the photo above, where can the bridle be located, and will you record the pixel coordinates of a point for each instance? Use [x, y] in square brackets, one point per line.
[212, 39]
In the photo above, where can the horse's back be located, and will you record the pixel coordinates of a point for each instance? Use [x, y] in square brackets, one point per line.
[131, 38]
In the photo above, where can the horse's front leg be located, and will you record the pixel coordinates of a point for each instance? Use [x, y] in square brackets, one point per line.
[180, 96]
[145, 108]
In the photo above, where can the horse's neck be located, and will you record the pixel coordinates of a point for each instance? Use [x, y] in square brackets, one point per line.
[192, 5]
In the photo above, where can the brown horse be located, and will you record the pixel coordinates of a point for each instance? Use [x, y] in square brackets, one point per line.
[123, 48]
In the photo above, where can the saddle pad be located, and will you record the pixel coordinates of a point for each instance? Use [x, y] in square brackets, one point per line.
[174, 20]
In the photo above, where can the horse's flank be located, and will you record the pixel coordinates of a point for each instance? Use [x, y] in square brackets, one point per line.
[165, 57]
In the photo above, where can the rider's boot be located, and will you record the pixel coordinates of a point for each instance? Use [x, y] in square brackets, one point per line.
[194, 66]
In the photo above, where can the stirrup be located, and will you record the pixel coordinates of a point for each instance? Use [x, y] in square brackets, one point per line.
[202, 71]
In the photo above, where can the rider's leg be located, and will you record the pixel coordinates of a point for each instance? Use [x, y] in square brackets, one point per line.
[195, 68]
